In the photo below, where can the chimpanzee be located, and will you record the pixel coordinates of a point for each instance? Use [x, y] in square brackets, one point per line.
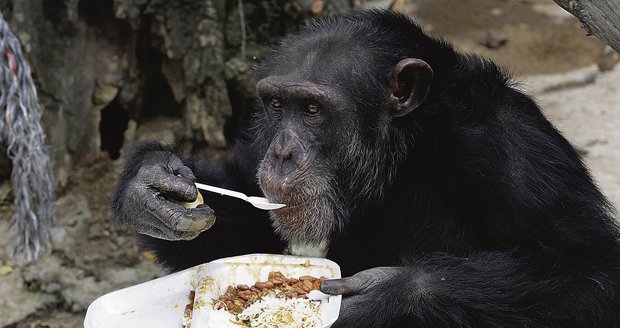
[441, 190]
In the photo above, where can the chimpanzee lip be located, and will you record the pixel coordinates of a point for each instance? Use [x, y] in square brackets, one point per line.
[293, 208]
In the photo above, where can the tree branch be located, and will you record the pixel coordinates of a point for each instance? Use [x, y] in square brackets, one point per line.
[598, 17]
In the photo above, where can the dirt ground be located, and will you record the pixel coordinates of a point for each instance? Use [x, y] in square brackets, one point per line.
[565, 70]
[540, 37]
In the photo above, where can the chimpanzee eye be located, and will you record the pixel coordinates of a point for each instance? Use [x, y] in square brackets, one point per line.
[275, 103]
[312, 109]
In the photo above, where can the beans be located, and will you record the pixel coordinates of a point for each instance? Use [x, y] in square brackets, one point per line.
[246, 296]
[190, 306]
[307, 285]
[263, 285]
[236, 299]
[278, 281]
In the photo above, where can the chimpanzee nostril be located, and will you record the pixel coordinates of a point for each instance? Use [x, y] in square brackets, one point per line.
[285, 151]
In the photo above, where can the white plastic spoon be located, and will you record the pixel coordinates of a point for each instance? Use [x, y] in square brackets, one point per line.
[258, 202]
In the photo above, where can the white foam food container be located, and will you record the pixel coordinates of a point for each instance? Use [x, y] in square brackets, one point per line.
[161, 302]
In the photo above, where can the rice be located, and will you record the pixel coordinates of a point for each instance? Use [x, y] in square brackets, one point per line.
[273, 312]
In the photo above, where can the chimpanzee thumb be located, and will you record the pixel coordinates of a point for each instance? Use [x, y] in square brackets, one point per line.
[344, 286]
[361, 282]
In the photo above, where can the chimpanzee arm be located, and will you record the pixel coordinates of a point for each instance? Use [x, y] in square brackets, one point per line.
[238, 229]
[488, 289]
[552, 262]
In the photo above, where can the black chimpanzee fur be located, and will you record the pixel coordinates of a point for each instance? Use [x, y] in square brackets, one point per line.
[489, 207]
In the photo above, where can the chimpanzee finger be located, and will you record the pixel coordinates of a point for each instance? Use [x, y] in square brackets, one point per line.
[361, 282]
[160, 231]
[202, 212]
[174, 216]
[178, 168]
[169, 185]
[190, 220]
[186, 173]
[344, 286]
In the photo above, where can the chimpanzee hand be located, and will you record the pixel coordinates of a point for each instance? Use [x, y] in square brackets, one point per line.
[371, 298]
[144, 198]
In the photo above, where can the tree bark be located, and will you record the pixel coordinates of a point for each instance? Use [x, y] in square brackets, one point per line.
[166, 69]
[598, 17]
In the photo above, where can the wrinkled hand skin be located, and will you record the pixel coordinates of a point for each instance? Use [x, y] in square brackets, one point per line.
[370, 297]
[149, 185]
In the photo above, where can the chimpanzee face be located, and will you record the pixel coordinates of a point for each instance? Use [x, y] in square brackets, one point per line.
[309, 127]
[326, 116]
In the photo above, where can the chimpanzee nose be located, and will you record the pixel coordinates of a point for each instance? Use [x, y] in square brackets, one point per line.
[283, 152]
[286, 150]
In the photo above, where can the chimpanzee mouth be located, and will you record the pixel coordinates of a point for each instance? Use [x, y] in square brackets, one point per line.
[290, 209]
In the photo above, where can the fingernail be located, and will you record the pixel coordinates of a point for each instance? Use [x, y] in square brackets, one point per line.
[325, 287]
[184, 225]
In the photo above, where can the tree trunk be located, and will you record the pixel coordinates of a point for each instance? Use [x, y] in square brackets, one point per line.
[109, 72]
[598, 17]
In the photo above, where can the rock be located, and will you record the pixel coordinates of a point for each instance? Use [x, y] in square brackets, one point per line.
[79, 293]
[161, 129]
[5, 165]
[6, 194]
[53, 320]
[76, 291]
[128, 276]
[16, 303]
[552, 10]
[74, 216]
[59, 235]
[150, 55]
[540, 84]
[69, 50]
[5, 270]
[493, 40]
[104, 94]
[78, 288]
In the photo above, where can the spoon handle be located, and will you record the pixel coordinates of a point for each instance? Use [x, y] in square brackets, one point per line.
[222, 191]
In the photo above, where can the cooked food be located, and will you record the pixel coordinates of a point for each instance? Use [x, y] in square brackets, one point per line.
[199, 200]
[275, 312]
[187, 313]
[278, 302]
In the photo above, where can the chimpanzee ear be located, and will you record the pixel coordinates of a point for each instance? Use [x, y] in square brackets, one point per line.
[409, 83]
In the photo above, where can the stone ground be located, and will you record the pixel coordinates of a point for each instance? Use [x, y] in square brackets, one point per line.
[573, 77]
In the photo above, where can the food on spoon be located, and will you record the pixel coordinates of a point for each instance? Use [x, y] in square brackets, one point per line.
[199, 200]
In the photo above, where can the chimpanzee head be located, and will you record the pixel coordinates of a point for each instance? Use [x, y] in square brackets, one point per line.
[331, 98]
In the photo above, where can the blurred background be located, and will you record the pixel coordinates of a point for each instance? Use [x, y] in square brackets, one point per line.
[110, 72]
